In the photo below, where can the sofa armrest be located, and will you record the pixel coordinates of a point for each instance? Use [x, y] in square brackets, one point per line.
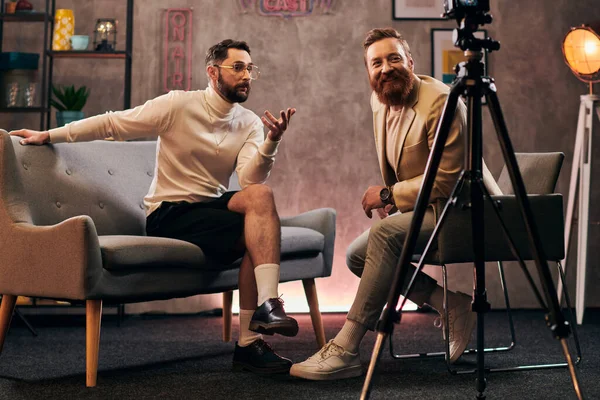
[58, 261]
[321, 220]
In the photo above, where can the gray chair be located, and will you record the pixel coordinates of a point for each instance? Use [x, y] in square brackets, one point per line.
[72, 226]
[540, 173]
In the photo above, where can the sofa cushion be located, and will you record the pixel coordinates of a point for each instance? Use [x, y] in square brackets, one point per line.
[297, 240]
[121, 252]
[125, 252]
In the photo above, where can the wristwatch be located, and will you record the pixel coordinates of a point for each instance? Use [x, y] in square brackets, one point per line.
[386, 195]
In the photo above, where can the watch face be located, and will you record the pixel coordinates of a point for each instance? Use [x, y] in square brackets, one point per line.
[384, 194]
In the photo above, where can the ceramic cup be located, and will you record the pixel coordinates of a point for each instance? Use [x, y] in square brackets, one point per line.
[79, 42]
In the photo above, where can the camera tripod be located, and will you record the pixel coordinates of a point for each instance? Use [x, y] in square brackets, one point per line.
[472, 84]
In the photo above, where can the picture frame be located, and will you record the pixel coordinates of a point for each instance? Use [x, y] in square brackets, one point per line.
[417, 10]
[444, 55]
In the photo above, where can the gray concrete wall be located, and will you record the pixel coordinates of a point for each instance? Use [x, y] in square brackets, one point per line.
[315, 64]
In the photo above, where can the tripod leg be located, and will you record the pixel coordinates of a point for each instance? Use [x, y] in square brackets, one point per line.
[389, 315]
[554, 319]
[375, 356]
[480, 304]
[563, 279]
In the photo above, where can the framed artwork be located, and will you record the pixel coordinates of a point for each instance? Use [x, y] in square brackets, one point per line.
[444, 56]
[417, 9]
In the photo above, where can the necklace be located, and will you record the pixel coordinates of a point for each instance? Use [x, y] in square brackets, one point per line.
[212, 126]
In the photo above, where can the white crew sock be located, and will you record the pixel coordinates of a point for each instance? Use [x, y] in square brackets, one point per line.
[267, 280]
[246, 335]
[350, 336]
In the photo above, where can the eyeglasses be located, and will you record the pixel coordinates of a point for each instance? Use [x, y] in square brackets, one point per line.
[239, 68]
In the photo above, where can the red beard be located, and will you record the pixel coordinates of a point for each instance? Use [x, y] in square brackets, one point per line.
[393, 88]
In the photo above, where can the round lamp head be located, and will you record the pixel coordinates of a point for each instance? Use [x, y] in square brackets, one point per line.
[581, 49]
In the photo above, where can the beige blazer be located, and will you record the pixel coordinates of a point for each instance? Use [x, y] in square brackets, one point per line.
[418, 123]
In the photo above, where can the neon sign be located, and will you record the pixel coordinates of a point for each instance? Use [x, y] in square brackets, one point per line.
[287, 8]
[177, 57]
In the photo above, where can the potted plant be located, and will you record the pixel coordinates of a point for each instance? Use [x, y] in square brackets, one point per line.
[68, 102]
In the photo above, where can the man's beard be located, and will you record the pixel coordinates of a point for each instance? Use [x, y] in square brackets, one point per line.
[393, 88]
[231, 93]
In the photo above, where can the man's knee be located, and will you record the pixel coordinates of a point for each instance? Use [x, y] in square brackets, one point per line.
[355, 262]
[259, 192]
[258, 197]
[357, 253]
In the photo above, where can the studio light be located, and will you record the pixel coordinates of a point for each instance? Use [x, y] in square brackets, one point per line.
[581, 49]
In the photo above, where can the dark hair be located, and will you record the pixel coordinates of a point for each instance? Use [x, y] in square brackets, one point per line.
[218, 53]
[375, 35]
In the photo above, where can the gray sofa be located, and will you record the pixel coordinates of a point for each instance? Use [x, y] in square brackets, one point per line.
[72, 227]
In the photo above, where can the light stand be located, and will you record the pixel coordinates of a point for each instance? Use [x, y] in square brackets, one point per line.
[581, 171]
[581, 51]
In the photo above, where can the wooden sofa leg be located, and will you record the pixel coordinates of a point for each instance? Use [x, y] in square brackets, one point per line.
[227, 300]
[7, 307]
[315, 314]
[93, 315]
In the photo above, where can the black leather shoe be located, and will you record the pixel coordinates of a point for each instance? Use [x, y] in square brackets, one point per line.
[270, 318]
[259, 357]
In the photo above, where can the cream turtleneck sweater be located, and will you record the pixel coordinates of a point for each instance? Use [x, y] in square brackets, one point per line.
[188, 126]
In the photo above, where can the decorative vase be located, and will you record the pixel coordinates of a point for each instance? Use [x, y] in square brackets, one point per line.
[64, 117]
[64, 28]
[24, 5]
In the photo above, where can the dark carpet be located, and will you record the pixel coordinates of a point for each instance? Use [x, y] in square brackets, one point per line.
[183, 357]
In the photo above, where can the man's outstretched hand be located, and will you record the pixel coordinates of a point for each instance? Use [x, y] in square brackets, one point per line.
[277, 126]
[32, 137]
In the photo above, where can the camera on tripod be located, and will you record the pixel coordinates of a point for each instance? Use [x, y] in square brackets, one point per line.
[470, 14]
[458, 8]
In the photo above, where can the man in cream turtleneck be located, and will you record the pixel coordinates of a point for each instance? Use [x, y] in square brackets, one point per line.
[202, 137]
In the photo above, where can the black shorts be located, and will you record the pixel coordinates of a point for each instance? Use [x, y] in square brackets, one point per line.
[209, 225]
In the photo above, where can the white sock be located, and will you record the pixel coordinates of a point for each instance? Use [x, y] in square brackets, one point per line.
[267, 280]
[246, 335]
[350, 336]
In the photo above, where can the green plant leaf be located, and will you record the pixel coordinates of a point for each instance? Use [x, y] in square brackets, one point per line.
[67, 98]
[57, 105]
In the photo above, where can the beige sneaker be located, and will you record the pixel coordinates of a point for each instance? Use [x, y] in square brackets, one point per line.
[462, 322]
[331, 362]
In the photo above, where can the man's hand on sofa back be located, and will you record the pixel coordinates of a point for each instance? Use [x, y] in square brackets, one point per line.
[32, 137]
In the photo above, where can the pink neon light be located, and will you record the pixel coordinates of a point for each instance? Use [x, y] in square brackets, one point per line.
[170, 16]
[294, 8]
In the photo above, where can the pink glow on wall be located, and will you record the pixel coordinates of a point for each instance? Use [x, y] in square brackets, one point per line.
[177, 57]
[287, 8]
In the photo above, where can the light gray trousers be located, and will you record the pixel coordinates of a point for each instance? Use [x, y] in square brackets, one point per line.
[373, 257]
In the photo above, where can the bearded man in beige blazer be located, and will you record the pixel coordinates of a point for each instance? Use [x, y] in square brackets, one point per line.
[406, 111]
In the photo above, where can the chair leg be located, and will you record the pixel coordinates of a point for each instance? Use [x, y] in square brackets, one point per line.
[446, 352]
[227, 300]
[93, 314]
[315, 314]
[7, 307]
[511, 324]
